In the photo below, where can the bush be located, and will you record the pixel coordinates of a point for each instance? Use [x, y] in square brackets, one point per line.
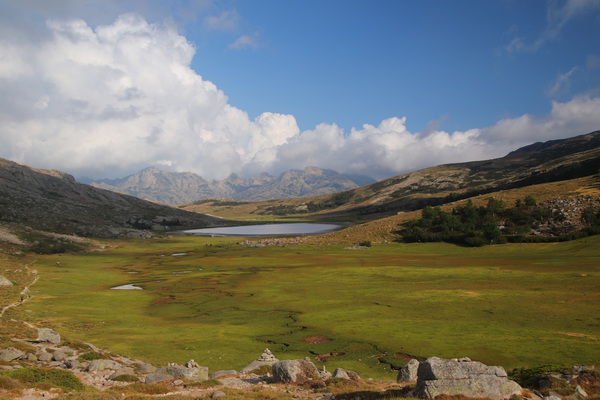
[126, 378]
[90, 356]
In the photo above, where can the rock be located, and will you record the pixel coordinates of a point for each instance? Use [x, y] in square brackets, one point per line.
[122, 371]
[45, 357]
[10, 354]
[220, 374]
[146, 369]
[408, 373]
[345, 374]
[438, 376]
[182, 372]
[579, 390]
[71, 364]
[551, 398]
[4, 281]
[59, 355]
[294, 371]
[31, 357]
[99, 365]
[157, 377]
[266, 358]
[217, 394]
[48, 335]
[324, 374]
[192, 364]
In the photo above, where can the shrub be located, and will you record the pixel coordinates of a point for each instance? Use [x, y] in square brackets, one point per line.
[90, 355]
[126, 378]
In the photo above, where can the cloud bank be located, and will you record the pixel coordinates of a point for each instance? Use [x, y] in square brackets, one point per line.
[110, 100]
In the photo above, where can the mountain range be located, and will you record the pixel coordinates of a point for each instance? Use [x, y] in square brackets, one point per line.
[186, 187]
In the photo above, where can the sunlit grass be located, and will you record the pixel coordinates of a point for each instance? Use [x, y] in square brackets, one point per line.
[222, 304]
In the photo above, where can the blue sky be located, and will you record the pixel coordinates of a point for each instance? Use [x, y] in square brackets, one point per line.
[105, 88]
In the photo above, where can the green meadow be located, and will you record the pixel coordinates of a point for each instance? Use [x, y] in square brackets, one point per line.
[366, 310]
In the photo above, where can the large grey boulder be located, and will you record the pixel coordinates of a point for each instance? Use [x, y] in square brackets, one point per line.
[294, 371]
[182, 372]
[4, 281]
[408, 373]
[158, 377]
[10, 354]
[48, 335]
[437, 376]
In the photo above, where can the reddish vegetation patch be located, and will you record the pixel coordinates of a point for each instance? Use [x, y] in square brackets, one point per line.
[163, 299]
[403, 356]
[322, 357]
[315, 339]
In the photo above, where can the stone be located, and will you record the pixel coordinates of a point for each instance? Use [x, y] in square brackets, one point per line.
[324, 374]
[217, 394]
[146, 368]
[4, 281]
[182, 372]
[437, 376]
[192, 364]
[48, 335]
[345, 374]
[72, 364]
[220, 374]
[157, 377]
[266, 358]
[122, 371]
[579, 390]
[10, 354]
[99, 365]
[45, 357]
[31, 357]
[294, 371]
[59, 355]
[408, 373]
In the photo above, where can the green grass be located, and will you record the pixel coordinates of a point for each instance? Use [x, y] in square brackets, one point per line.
[221, 304]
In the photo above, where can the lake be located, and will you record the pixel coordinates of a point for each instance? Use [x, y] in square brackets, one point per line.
[286, 229]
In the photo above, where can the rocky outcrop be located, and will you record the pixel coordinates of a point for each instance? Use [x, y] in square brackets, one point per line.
[4, 281]
[48, 335]
[408, 373]
[289, 371]
[10, 354]
[266, 359]
[437, 376]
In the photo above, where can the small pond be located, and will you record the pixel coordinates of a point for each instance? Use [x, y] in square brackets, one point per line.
[286, 229]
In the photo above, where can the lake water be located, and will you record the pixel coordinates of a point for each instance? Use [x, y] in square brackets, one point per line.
[290, 229]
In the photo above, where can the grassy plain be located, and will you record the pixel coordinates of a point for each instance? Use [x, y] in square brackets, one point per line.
[221, 303]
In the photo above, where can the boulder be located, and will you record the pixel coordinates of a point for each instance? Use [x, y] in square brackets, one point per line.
[146, 368]
[437, 376]
[71, 364]
[59, 355]
[45, 357]
[122, 371]
[99, 365]
[182, 372]
[10, 354]
[408, 373]
[294, 371]
[48, 335]
[158, 377]
[345, 374]
[4, 281]
[266, 358]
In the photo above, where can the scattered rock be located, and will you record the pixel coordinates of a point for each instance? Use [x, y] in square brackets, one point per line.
[11, 354]
[122, 371]
[48, 335]
[99, 365]
[59, 355]
[45, 357]
[157, 377]
[220, 374]
[217, 394]
[437, 376]
[182, 372]
[408, 373]
[345, 374]
[266, 358]
[294, 371]
[4, 281]
[324, 374]
[146, 368]
[72, 364]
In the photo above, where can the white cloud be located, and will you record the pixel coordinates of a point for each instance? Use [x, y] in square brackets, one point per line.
[562, 83]
[228, 20]
[111, 100]
[245, 42]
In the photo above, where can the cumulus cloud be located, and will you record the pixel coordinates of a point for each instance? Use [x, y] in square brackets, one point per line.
[245, 42]
[109, 100]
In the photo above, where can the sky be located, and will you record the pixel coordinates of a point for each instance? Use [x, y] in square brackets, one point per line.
[105, 88]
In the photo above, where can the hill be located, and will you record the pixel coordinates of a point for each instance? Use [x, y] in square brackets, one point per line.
[185, 187]
[53, 201]
[553, 161]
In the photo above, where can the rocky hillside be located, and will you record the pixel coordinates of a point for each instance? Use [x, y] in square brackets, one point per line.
[50, 200]
[186, 187]
[553, 161]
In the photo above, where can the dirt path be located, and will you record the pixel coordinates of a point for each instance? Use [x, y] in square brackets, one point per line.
[24, 294]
